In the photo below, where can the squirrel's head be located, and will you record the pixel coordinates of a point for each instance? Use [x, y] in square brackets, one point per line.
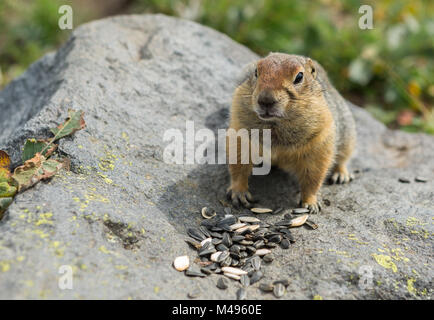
[281, 83]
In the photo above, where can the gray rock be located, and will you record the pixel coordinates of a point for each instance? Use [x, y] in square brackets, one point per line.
[119, 217]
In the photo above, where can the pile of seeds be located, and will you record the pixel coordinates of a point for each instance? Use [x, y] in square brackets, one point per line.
[237, 247]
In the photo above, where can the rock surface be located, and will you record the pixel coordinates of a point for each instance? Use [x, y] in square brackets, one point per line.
[118, 218]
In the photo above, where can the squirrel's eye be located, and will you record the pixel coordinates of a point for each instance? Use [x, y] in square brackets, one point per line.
[256, 72]
[298, 78]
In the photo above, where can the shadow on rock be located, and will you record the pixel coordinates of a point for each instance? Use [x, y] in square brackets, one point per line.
[206, 186]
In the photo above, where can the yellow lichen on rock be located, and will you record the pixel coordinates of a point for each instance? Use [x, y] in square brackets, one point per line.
[385, 261]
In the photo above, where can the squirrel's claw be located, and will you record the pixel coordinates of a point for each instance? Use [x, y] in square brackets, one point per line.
[239, 197]
[341, 177]
[314, 208]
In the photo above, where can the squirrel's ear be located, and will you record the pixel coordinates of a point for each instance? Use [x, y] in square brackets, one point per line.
[311, 67]
[246, 73]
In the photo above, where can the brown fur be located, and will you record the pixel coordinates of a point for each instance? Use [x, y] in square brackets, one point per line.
[305, 137]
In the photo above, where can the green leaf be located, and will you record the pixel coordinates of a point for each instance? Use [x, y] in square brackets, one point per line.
[36, 169]
[4, 204]
[73, 123]
[33, 146]
[6, 190]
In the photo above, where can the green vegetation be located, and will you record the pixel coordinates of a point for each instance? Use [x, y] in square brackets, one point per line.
[388, 69]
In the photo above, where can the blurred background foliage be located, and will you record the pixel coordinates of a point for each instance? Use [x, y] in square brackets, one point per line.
[389, 70]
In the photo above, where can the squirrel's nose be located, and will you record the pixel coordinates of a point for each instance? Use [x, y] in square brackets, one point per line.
[266, 100]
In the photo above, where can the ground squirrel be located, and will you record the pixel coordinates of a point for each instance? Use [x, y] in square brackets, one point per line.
[312, 129]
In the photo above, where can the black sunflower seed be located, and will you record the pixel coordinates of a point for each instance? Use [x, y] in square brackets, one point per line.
[216, 241]
[285, 282]
[276, 238]
[222, 283]
[268, 258]
[256, 276]
[266, 287]
[192, 273]
[237, 238]
[196, 234]
[245, 280]
[256, 263]
[279, 290]
[223, 256]
[227, 241]
[285, 243]
[221, 247]
[241, 294]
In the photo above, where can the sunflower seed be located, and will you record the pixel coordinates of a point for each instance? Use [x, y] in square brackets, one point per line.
[235, 249]
[206, 271]
[261, 210]
[248, 219]
[222, 283]
[216, 241]
[421, 179]
[246, 229]
[237, 226]
[250, 249]
[215, 256]
[256, 276]
[285, 282]
[207, 240]
[300, 210]
[227, 221]
[223, 256]
[245, 280]
[276, 238]
[205, 231]
[284, 223]
[232, 276]
[222, 247]
[216, 235]
[196, 234]
[194, 244]
[271, 245]
[209, 223]
[194, 294]
[241, 294]
[299, 221]
[266, 287]
[232, 270]
[285, 244]
[238, 237]
[256, 263]
[208, 213]
[268, 258]
[279, 290]
[207, 251]
[258, 244]
[404, 180]
[181, 263]
[262, 252]
[192, 273]
[216, 229]
[311, 224]
[226, 262]
[227, 241]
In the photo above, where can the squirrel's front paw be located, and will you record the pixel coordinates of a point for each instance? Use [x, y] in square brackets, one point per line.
[313, 206]
[340, 176]
[243, 197]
